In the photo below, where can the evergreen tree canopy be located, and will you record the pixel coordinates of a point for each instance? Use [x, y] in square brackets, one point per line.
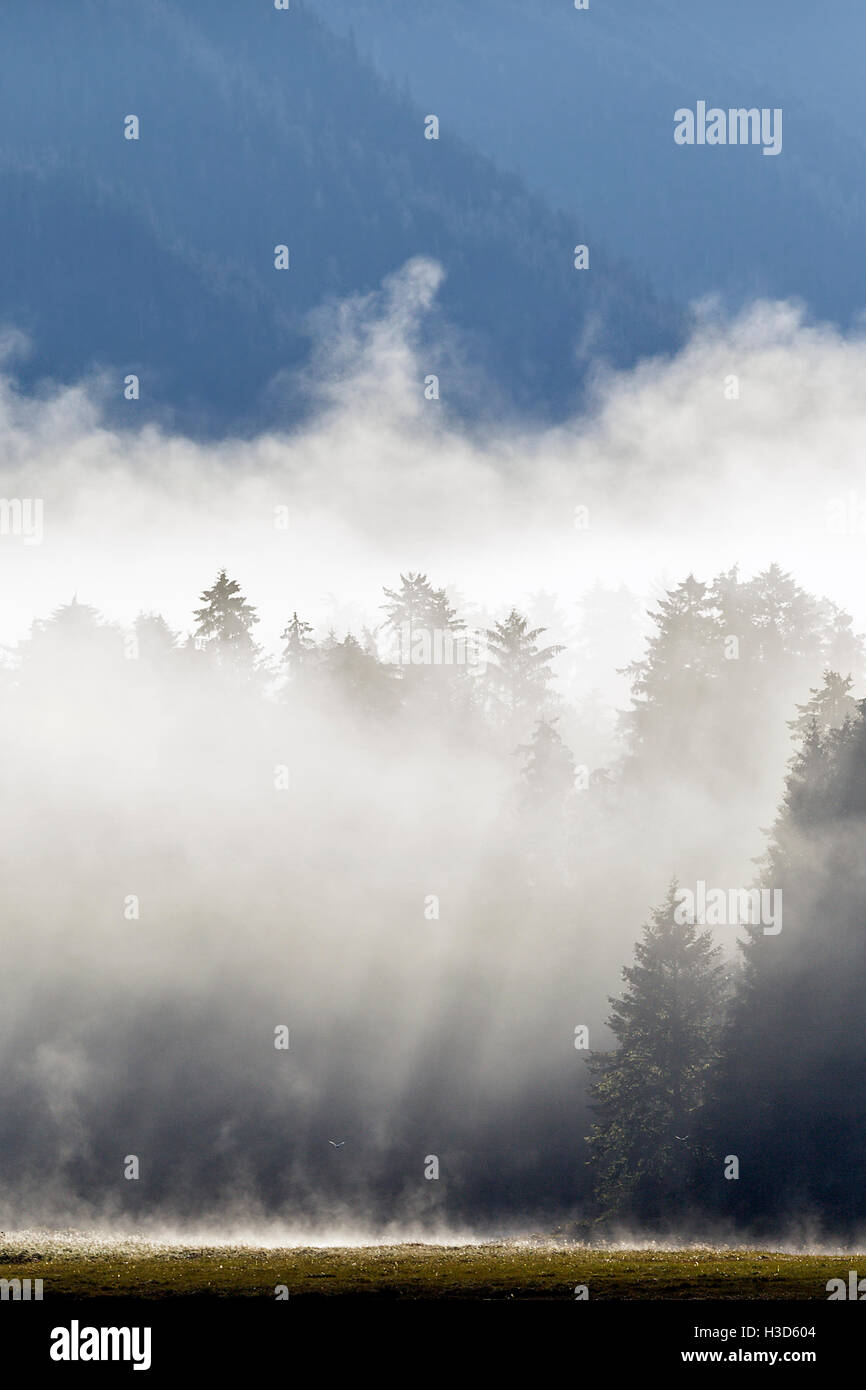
[548, 769]
[521, 675]
[416, 604]
[224, 623]
[646, 1094]
[828, 706]
[299, 647]
[724, 669]
[787, 1097]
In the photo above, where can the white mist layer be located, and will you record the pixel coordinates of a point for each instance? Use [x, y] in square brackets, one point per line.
[674, 475]
[155, 1038]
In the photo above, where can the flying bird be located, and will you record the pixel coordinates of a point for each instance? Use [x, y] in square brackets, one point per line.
[335, 1144]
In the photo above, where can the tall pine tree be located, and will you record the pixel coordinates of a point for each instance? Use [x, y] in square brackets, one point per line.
[520, 674]
[646, 1094]
[224, 625]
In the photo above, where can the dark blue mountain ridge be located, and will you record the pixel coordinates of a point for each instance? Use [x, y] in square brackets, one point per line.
[581, 105]
[261, 127]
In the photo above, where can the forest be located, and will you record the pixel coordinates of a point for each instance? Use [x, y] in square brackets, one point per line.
[456, 885]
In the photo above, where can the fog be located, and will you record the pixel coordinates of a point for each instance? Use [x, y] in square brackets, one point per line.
[151, 776]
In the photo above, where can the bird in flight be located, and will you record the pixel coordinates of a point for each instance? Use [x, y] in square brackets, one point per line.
[335, 1144]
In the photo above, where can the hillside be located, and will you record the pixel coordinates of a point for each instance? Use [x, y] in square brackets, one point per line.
[257, 128]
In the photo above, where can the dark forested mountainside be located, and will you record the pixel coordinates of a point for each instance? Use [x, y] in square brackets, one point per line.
[156, 255]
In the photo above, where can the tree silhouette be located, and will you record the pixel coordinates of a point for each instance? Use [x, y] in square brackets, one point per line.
[788, 1087]
[548, 769]
[520, 675]
[417, 605]
[673, 681]
[157, 643]
[224, 624]
[346, 671]
[646, 1094]
[299, 647]
[828, 706]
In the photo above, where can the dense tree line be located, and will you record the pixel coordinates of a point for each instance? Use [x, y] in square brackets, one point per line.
[738, 1094]
[753, 1052]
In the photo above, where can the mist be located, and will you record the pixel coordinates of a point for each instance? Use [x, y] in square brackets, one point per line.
[279, 846]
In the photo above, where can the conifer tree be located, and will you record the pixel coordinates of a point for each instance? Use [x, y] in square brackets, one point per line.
[548, 769]
[671, 685]
[520, 675]
[787, 620]
[647, 1093]
[417, 606]
[224, 624]
[828, 706]
[346, 670]
[785, 1096]
[156, 641]
[299, 646]
[75, 638]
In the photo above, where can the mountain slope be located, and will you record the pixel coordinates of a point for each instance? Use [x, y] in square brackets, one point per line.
[581, 105]
[259, 127]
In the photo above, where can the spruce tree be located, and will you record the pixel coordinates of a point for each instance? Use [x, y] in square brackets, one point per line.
[157, 644]
[647, 1094]
[347, 672]
[672, 685]
[520, 674]
[548, 769]
[299, 649]
[417, 606]
[224, 624]
[828, 706]
[787, 1093]
[75, 639]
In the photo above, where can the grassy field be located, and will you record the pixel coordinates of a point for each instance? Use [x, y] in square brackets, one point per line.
[87, 1266]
